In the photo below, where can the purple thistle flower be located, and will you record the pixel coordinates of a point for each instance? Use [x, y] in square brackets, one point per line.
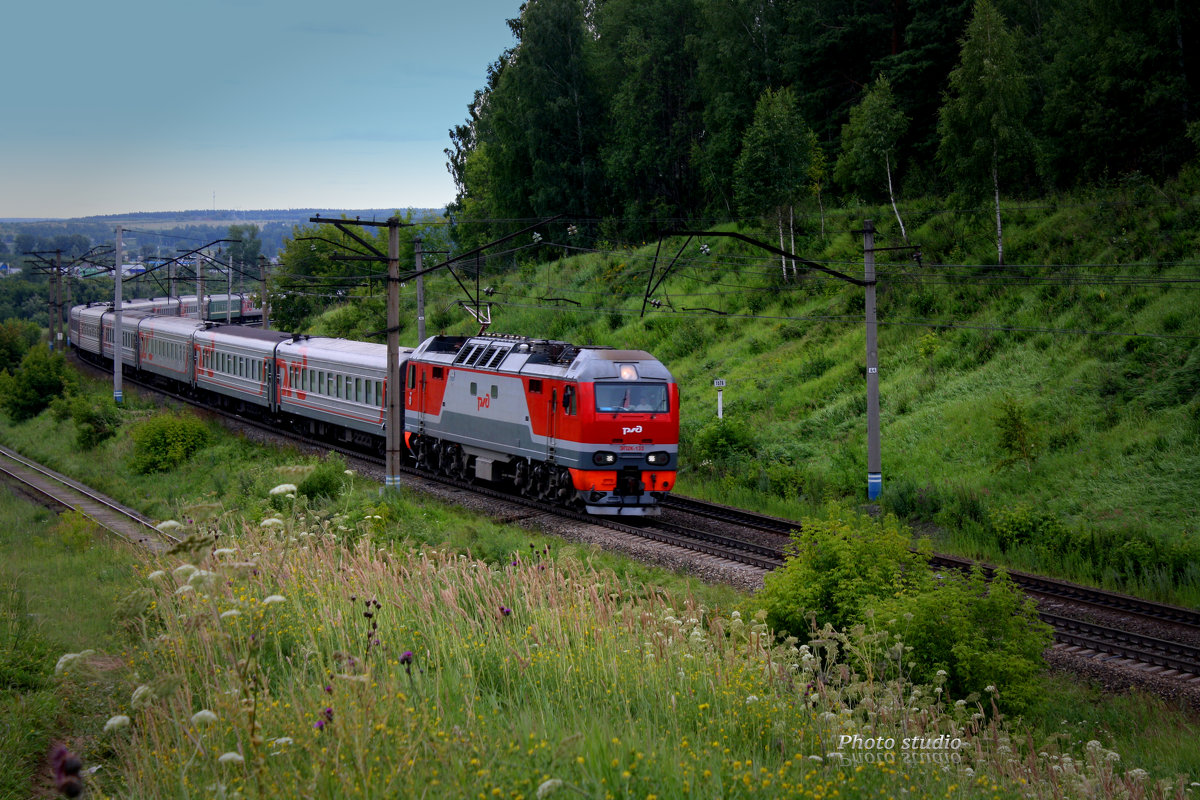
[319, 724]
[505, 611]
[328, 712]
[406, 657]
[328, 689]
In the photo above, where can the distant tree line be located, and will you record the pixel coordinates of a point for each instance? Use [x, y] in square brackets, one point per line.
[640, 111]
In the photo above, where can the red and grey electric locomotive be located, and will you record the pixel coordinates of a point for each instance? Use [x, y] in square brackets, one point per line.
[585, 425]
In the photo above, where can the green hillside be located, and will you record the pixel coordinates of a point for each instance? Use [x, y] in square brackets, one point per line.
[1043, 414]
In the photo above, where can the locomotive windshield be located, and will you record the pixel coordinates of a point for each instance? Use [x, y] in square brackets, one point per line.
[643, 398]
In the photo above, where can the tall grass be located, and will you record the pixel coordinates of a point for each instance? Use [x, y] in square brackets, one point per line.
[300, 660]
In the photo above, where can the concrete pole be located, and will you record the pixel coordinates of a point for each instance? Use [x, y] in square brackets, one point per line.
[200, 286]
[171, 286]
[420, 293]
[229, 292]
[56, 329]
[874, 468]
[392, 431]
[118, 394]
[266, 305]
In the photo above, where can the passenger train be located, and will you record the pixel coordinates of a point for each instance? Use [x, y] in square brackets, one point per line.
[589, 427]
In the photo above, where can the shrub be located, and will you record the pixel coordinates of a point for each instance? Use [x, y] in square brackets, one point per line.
[1016, 432]
[1021, 524]
[16, 337]
[165, 441]
[326, 480]
[723, 440]
[840, 564]
[41, 378]
[910, 500]
[981, 634]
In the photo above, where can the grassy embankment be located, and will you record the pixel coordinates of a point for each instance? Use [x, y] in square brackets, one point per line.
[1015, 427]
[531, 662]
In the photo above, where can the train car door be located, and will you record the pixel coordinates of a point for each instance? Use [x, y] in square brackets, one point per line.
[552, 428]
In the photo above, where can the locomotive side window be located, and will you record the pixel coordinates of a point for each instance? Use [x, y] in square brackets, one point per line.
[412, 374]
[569, 400]
[535, 386]
[495, 391]
[474, 389]
[437, 373]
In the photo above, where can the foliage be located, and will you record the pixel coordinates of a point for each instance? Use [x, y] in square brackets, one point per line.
[870, 140]
[840, 564]
[1017, 434]
[980, 633]
[325, 481]
[166, 440]
[41, 377]
[723, 440]
[16, 337]
[96, 418]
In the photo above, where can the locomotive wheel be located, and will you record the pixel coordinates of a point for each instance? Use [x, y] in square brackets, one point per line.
[564, 489]
[521, 478]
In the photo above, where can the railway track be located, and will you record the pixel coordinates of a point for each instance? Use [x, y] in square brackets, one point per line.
[49, 486]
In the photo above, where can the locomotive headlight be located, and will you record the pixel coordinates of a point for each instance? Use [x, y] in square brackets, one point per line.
[603, 458]
[628, 372]
[661, 457]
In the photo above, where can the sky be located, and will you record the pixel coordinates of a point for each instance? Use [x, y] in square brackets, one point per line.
[172, 105]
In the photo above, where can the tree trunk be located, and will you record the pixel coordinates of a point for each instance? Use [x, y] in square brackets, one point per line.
[792, 235]
[887, 162]
[782, 259]
[999, 227]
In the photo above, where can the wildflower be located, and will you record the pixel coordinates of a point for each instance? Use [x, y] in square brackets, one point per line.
[203, 717]
[990, 689]
[224, 551]
[157, 575]
[230, 614]
[68, 659]
[406, 657]
[184, 571]
[275, 598]
[115, 722]
[548, 787]
[752, 699]
[168, 525]
[1137, 774]
[319, 724]
[187, 587]
[328, 688]
[282, 740]
[505, 611]
[271, 522]
[283, 488]
[348, 471]
[231, 758]
[141, 696]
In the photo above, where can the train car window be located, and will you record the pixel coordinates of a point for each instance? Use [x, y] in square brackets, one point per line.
[358, 390]
[569, 400]
[320, 383]
[535, 386]
[379, 393]
[338, 393]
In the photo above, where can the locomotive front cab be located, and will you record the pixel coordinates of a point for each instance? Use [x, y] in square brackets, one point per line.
[631, 426]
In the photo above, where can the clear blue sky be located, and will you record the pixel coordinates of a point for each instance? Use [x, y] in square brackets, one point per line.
[155, 105]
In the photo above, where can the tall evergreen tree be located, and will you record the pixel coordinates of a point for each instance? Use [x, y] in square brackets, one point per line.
[982, 122]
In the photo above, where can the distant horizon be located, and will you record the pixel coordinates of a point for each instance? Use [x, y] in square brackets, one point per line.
[220, 213]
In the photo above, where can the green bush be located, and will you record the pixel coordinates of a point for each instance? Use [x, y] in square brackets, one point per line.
[41, 378]
[16, 337]
[840, 564]
[724, 440]
[326, 480]
[1021, 524]
[980, 634]
[911, 500]
[165, 441]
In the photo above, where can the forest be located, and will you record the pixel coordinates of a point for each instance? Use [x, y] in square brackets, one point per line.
[636, 112]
